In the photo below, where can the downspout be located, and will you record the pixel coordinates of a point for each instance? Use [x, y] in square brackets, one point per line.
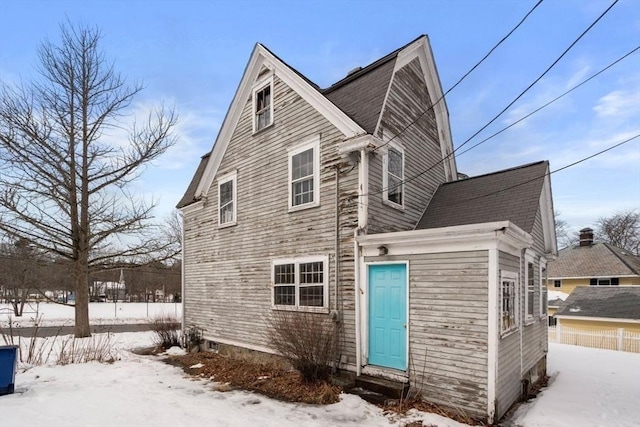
[337, 249]
[356, 272]
[182, 273]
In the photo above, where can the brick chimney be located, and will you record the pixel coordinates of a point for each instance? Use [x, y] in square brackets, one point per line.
[586, 237]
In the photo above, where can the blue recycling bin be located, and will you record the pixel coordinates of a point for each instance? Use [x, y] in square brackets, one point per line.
[8, 362]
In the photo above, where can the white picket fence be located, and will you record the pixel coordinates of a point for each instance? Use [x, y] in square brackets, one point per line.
[613, 339]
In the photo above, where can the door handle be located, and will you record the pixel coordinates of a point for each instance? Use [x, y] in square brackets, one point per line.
[405, 325]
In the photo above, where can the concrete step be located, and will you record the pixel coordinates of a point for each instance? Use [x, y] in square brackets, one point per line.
[390, 389]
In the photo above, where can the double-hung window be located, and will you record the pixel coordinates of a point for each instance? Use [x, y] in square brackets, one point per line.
[393, 177]
[304, 175]
[300, 283]
[530, 291]
[508, 297]
[227, 195]
[543, 288]
[263, 105]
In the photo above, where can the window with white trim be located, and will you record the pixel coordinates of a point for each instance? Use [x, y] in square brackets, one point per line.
[304, 175]
[393, 176]
[604, 281]
[557, 283]
[543, 289]
[263, 105]
[227, 200]
[300, 283]
[531, 291]
[509, 300]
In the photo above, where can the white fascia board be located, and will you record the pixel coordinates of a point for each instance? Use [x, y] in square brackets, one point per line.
[259, 57]
[503, 235]
[597, 319]
[421, 49]
[361, 142]
[193, 207]
[547, 217]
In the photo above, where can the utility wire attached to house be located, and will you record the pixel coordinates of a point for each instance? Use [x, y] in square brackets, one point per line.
[463, 77]
[404, 181]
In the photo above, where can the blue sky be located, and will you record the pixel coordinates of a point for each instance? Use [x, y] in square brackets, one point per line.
[191, 54]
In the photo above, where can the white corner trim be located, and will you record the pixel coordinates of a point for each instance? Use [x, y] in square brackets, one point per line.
[259, 57]
[493, 334]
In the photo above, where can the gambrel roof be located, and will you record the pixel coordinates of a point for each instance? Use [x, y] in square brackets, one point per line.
[515, 194]
[353, 104]
[595, 260]
[614, 302]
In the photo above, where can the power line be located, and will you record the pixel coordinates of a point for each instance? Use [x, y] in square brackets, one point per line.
[584, 159]
[551, 102]
[463, 77]
[503, 110]
[540, 77]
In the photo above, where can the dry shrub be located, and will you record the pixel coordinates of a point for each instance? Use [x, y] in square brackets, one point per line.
[306, 340]
[98, 348]
[35, 350]
[166, 329]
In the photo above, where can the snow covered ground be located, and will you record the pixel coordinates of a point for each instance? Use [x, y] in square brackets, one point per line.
[589, 387]
[100, 313]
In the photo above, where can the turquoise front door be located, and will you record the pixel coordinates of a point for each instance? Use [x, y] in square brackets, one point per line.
[388, 315]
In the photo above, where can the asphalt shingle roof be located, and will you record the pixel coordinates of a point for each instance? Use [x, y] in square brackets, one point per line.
[596, 260]
[188, 196]
[508, 195]
[360, 95]
[616, 302]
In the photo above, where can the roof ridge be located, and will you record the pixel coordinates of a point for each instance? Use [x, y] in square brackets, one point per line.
[497, 172]
[368, 68]
[629, 266]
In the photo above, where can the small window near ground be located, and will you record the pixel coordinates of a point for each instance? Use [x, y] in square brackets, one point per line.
[227, 200]
[393, 179]
[557, 283]
[508, 308]
[263, 105]
[300, 283]
[304, 176]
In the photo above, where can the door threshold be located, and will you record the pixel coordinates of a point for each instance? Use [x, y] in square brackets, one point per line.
[389, 373]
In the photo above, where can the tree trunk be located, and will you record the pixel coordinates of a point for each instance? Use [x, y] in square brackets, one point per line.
[82, 328]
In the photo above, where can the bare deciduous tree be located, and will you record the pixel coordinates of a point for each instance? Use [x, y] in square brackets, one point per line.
[64, 173]
[621, 229]
[564, 236]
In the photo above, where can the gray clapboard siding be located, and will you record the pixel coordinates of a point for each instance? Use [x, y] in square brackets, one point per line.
[448, 299]
[228, 270]
[407, 99]
[508, 372]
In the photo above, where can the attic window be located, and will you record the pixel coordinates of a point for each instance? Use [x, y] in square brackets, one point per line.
[263, 105]
[393, 178]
